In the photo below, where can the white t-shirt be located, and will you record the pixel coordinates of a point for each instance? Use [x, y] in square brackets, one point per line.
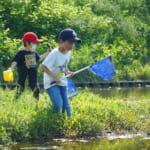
[56, 62]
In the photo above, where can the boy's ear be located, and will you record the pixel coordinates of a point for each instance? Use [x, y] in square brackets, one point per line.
[25, 44]
[61, 41]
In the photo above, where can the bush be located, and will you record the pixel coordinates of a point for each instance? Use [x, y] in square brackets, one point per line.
[117, 28]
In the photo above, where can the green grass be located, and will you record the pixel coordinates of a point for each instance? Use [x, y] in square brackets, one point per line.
[28, 120]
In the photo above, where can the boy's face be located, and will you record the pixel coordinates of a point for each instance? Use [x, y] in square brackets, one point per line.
[31, 46]
[67, 45]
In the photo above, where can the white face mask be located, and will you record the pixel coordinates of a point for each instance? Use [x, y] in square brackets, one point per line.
[33, 47]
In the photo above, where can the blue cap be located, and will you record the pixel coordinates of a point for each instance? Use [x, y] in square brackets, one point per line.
[69, 35]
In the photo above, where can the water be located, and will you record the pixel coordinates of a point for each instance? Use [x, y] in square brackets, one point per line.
[130, 93]
[107, 142]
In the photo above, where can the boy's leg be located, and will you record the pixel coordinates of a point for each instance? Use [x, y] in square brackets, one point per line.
[33, 84]
[20, 89]
[55, 96]
[21, 84]
[36, 92]
[66, 104]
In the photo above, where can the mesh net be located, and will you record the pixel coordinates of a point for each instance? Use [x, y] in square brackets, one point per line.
[104, 68]
[72, 91]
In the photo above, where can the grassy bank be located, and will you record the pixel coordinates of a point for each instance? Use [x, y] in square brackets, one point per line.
[26, 120]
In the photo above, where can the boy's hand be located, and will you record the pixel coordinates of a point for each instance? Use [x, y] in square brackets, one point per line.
[49, 49]
[9, 68]
[57, 80]
[70, 74]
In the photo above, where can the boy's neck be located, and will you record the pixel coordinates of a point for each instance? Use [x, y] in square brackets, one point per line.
[62, 50]
[27, 48]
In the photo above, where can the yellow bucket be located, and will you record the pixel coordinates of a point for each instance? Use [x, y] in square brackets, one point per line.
[8, 75]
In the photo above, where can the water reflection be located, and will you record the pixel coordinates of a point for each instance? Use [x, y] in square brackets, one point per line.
[121, 142]
[122, 93]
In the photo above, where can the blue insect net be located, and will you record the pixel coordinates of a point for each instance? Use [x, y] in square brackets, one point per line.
[72, 91]
[104, 68]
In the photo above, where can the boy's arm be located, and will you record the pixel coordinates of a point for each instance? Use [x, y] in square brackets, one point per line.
[13, 65]
[45, 54]
[45, 69]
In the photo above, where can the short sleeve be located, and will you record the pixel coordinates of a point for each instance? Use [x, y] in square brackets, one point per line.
[37, 56]
[50, 59]
[17, 57]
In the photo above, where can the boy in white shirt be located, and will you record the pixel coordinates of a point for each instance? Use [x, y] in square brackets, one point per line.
[55, 69]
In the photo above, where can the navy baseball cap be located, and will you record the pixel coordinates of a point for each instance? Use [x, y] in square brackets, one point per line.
[69, 35]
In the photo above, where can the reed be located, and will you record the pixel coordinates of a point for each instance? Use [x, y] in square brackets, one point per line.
[26, 119]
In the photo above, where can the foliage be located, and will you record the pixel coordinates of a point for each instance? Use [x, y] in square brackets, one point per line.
[110, 27]
[28, 120]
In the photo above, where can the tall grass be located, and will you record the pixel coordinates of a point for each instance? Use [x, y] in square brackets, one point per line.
[28, 120]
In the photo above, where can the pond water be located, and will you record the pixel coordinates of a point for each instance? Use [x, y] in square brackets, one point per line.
[130, 93]
[107, 142]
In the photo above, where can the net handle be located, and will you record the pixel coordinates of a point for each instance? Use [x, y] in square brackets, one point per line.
[80, 70]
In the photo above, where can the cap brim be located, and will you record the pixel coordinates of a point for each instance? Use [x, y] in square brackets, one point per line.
[38, 41]
[75, 40]
[78, 40]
